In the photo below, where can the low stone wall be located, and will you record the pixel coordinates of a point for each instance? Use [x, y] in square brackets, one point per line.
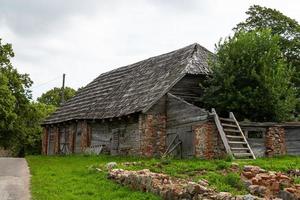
[275, 141]
[169, 188]
[270, 185]
[208, 143]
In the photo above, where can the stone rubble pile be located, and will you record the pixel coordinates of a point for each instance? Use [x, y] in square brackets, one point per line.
[169, 188]
[270, 184]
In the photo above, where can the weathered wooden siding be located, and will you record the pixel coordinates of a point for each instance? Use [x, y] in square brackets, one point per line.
[292, 140]
[258, 146]
[118, 136]
[50, 150]
[77, 143]
[188, 88]
[181, 116]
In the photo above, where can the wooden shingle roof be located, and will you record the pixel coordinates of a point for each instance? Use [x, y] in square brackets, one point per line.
[133, 88]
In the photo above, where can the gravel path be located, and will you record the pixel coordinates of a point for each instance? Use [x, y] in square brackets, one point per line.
[14, 179]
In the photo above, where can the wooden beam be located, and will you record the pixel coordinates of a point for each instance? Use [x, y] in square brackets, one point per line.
[221, 131]
[231, 115]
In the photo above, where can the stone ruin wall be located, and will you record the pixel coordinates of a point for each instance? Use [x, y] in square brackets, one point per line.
[275, 141]
[152, 129]
[207, 141]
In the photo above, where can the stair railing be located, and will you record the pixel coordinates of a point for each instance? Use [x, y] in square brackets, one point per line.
[221, 131]
[231, 116]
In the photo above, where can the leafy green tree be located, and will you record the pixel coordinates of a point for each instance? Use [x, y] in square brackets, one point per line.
[20, 118]
[251, 78]
[286, 28]
[14, 97]
[37, 112]
[53, 96]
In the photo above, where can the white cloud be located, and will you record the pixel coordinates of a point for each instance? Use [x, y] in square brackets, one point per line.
[86, 38]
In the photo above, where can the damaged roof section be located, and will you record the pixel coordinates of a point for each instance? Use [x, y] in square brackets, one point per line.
[133, 88]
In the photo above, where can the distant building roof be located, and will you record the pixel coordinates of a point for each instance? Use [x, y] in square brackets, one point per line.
[133, 88]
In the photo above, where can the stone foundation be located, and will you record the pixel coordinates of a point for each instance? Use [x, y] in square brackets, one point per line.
[275, 141]
[153, 135]
[207, 141]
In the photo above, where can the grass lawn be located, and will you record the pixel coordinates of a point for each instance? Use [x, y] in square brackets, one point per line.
[74, 177]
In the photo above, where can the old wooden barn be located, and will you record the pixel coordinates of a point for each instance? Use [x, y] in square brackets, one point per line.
[149, 108]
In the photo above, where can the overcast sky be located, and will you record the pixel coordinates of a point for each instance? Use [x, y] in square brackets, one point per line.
[84, 38]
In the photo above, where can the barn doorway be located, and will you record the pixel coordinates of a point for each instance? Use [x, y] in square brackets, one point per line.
[50, 150]
[77, 148]
[115, 142]
[64, 141]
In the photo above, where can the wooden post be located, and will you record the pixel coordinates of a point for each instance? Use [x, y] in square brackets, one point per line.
[45, 141]
[63, 90]
[72, 133]
[84, 135]
[56, 140]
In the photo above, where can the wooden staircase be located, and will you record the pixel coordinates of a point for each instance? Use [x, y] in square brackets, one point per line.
[233, 137]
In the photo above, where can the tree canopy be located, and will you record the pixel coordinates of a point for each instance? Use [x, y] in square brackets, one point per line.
[251, 78]
[287, 29]
[53, 96]
[20, 118]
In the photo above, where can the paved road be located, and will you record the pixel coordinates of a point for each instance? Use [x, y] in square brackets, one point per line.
[14, 179]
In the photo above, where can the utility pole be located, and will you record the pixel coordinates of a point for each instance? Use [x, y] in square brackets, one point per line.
[63, 90]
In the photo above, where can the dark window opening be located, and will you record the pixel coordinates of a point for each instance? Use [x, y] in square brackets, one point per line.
[255, 134]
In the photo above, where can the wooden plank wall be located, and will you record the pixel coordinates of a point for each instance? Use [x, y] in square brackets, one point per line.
[292, 139]
[127, 140]
[181, 116]
[188, 89]
[50, 150]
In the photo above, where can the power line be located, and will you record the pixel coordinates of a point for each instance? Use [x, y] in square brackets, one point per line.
[45, 83]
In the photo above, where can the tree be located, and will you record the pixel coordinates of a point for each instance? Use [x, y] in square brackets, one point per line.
[286, 28]
[251, 78]
[14, 97]
[53, 96]
[33, 133]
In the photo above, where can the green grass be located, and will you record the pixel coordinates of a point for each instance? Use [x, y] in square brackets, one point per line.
[74, 177]
[283, 163]
[70, 178]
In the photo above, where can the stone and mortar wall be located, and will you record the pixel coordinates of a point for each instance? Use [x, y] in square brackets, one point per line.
[275, 141]
[153, 134]
[208, 143]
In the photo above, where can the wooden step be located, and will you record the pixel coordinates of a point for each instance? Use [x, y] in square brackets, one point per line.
[231, 130]
[237, 142]
[242, 154]
[239, 148]
[226, 119]
[235, 136]
[230, 125]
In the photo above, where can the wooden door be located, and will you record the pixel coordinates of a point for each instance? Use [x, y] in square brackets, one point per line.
[50, 142]
[77, 148]
[115, 142]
